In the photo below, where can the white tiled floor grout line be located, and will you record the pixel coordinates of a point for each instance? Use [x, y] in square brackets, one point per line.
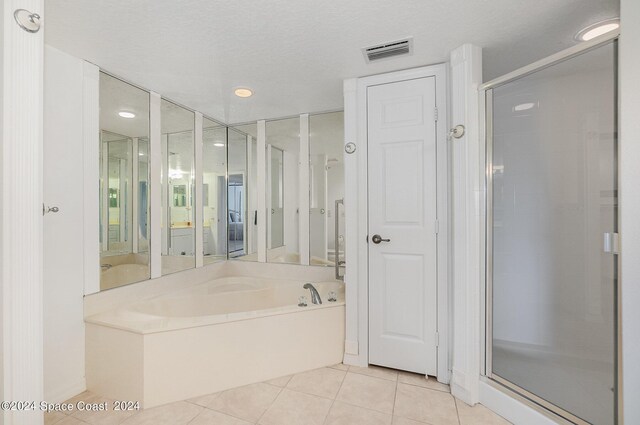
[395, 399]
[204, 409]
[336, 396]
[333, 397]
[274, 400]
[455, 402]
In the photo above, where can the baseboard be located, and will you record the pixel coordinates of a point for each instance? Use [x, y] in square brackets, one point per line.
[460, 384]
[59, 395]
[351, 348]
[353, 360]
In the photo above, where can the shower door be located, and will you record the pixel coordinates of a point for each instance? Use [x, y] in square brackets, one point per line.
[551, 233]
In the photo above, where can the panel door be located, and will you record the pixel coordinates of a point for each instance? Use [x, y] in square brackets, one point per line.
[402, 209]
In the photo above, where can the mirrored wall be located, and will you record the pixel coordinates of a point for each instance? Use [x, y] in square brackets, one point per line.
[200, 181]
[214, 185]
[178, 188]
[124, 183]
[326, 190]
[283, 176]
[290, 239]
[242, 193]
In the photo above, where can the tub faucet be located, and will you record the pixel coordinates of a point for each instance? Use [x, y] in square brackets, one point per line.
[315, 296]
[105, 266]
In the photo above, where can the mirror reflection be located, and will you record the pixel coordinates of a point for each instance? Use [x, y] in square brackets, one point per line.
[283, 221]
[241, 194]
[275, 197]
[214, 183]
[178, 229]
[124, 177]
[326, 189]
[228, 212]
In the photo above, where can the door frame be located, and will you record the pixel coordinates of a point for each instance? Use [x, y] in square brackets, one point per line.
[356, 207]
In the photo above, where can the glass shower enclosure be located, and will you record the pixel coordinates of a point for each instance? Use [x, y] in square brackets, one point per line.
[552, 235]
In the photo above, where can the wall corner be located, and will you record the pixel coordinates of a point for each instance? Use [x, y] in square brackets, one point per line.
[466, 229]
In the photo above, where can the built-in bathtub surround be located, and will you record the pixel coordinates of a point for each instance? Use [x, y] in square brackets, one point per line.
[110, 300]
[220, 334]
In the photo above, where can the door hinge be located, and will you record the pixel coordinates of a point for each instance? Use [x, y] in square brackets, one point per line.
[435, 114]
[437, 226]
[437, 339]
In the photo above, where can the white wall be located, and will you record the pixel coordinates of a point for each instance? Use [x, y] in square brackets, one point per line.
[466, 222]
[21, 213]
[2, 13]
[63, 232]
[629, 155]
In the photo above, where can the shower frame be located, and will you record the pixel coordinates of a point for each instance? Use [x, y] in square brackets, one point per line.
[486, 105]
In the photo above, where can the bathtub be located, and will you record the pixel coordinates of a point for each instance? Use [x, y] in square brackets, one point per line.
[216, 335]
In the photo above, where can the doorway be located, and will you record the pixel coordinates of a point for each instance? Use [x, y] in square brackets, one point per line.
[403, 225]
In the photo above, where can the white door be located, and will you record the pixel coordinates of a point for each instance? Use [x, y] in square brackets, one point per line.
[402, 209]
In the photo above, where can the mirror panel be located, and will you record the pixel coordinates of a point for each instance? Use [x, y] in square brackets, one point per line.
[275, 197]
[283, 221]
[144, 208]
[178, 228]
[326, 186]
[241, 193]
[214, 193]
[124, 177]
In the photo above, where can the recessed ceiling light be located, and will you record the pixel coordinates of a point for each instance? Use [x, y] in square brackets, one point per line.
[523, 106]
[125, 114]
[243, 92]
[598, 29]
[176, 174]
[220, 145]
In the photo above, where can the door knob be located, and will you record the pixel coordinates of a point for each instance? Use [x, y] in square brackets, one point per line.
[49, 209]
[377, 239]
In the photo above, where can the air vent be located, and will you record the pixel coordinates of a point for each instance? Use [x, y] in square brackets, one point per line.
[387, 50]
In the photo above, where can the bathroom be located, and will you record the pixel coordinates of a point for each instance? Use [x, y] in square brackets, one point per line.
[231, 214]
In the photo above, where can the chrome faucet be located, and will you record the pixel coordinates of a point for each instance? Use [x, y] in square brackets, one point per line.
[104, 267]
[315, 296]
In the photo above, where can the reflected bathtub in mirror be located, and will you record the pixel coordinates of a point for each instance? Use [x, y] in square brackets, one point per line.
[124, 183]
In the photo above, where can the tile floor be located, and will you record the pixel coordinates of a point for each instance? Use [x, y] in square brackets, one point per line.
[336, 395]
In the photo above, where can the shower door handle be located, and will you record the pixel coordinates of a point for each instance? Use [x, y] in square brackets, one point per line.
[612, 243]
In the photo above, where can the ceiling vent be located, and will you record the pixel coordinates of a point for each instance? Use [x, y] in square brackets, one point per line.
[388, 50]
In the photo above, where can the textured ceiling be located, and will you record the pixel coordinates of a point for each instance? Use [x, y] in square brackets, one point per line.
[295, 54]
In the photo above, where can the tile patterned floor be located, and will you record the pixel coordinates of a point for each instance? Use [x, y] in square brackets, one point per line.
[336, 395]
